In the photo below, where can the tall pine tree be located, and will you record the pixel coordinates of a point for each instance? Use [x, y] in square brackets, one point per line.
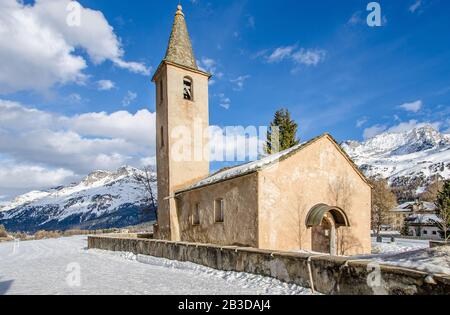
[443, 209]
[287, 132]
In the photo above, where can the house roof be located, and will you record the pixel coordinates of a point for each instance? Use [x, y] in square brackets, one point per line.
[252, 167]
[408, 206]
[430, 219]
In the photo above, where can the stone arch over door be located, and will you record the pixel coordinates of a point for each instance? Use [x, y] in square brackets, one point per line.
[324, 220]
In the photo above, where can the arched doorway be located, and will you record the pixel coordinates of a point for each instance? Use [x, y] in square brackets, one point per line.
[323, 221]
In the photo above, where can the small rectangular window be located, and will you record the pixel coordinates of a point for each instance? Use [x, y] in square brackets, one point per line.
[196, 215]
[161, 91]
[434, 232]
[187, 89]
[162, 137]
[219, 211]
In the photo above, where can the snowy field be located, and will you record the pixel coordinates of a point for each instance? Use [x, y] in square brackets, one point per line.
[415, 254]
[399, 246]
[64, 266]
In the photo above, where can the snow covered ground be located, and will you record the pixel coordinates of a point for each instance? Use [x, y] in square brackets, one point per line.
[399, 246]
[415, 254]
[52, 267]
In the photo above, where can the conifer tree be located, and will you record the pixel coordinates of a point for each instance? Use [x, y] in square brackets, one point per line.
[287, 132]
[443, 209]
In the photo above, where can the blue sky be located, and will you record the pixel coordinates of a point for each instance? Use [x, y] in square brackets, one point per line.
[319, 59]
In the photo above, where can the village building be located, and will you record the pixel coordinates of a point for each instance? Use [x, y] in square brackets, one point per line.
[418, 217]
[311, 197]
[424, 226]
[397, 216]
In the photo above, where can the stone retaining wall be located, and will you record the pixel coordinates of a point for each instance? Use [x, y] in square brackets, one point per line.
[330, 275]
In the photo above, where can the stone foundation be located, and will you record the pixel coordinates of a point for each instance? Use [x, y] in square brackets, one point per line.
[330, 275]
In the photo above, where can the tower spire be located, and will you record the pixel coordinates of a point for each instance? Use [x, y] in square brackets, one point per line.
[180, 50]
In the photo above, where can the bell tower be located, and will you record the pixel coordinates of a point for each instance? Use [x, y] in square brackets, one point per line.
[182, 121]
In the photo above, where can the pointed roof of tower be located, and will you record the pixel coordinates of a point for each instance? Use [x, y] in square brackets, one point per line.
[180, 47]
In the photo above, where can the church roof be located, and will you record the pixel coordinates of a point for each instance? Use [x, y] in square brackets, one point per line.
[252, 167]
[180, 50]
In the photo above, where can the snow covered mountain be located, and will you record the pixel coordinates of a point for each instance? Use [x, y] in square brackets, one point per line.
[101, 200]
[410, 158]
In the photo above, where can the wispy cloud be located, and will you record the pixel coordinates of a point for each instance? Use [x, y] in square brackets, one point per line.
[105, 85]
[251, 22]
[239, 82]
[280, 54]
[361, 122]
[413, 107]
[224, 101]
[129, 98]
[210, 65]
[356, 18]
[299, 56]
[309, 57]
[374, 131]
[405, 126]
[415, 6]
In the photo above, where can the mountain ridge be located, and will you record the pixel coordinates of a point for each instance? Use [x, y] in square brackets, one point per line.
[410, 158]
[100, 200]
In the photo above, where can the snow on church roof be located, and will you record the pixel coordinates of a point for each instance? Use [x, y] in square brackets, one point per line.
[255, 166]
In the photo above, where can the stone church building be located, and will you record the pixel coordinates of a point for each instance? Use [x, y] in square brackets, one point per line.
[311, 197]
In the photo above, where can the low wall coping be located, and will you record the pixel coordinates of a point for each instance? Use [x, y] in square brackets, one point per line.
[335, 262]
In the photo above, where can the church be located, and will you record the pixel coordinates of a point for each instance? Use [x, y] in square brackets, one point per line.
[311, 197]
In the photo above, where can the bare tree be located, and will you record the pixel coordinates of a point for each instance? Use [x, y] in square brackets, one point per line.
[147, 179]
[3, 232]
[296, 223]
[383, 200]
[433, 189]
[341, 192]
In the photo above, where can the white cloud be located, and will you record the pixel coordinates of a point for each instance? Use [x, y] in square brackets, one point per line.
[74, 98]
[412, 124]
[41, 149]
[361, 122]
[27, 177]
[356, 18]
[224, 101]
[38, 47]
[398, 128]
[412, 107]
[373, 131]
[210, 65]
[251, 22]
[105, 85]
[78, 143]
[415, 6]
[309, 57]
[239, 82]
[301, 56]
[129, 98]
[280, 53]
